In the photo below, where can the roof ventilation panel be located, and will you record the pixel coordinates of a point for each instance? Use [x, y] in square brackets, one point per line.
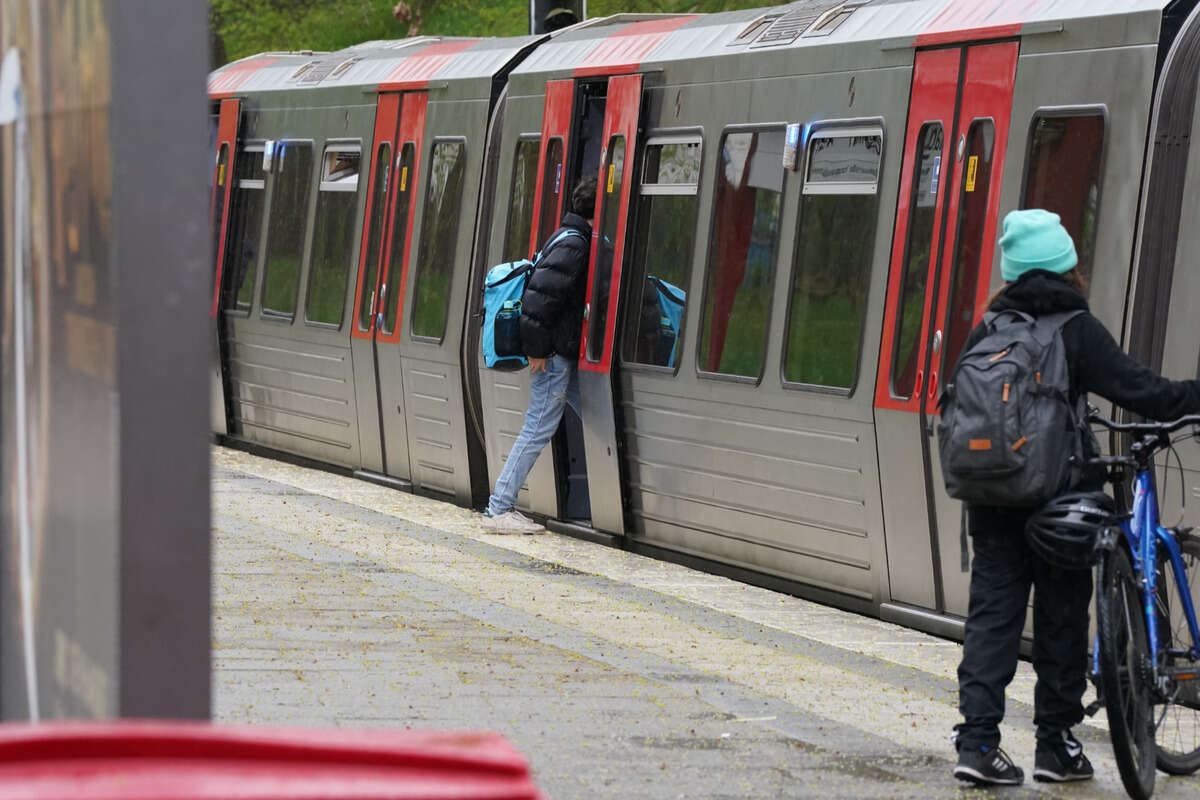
[319, 72]
[789, 27]
[344, 66]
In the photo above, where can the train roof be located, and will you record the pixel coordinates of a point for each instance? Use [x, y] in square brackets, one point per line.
[896, 23]
[624, 41]
[389, 65]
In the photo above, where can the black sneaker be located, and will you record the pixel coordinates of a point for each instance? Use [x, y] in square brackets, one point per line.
[1061, 759]
[986, 766]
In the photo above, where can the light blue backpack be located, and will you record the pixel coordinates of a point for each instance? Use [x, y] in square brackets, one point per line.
[671, 300]
[503, 288]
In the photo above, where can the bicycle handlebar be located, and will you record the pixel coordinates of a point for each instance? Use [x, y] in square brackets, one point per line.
[1145, 427]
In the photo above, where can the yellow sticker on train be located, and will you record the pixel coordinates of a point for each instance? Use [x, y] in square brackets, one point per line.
[404, 178]
[972, 172]
[612, 173]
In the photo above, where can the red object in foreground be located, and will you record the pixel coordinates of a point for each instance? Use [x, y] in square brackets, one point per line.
[135, 760]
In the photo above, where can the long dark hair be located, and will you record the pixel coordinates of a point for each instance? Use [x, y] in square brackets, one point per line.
[1075, 277]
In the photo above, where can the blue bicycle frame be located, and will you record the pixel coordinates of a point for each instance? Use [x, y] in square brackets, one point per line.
[1144, 548]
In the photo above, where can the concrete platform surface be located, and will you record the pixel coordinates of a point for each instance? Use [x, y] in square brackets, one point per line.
[338, 602]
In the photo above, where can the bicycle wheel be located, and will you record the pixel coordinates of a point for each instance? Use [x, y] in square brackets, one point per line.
[1125, 671]
[1177, 734]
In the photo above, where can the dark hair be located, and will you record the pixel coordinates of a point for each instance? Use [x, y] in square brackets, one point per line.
[583, 199]
[1074, 277]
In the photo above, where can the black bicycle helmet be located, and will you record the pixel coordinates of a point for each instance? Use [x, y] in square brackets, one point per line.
[1064, 531]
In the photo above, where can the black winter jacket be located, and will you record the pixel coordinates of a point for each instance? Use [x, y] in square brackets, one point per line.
[1097, 365]
[552, 306]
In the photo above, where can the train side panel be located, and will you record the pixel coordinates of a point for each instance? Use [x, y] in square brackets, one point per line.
[290, 374]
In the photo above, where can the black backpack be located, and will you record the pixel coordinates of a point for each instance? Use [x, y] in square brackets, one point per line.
[1009, 435]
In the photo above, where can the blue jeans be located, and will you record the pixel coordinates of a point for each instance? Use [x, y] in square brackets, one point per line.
[549, 395]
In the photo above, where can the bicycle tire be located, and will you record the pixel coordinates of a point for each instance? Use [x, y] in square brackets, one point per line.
[1172, 753]
[1124, 667]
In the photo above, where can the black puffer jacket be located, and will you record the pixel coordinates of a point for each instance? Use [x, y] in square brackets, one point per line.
[552, 306]
[1097, 365]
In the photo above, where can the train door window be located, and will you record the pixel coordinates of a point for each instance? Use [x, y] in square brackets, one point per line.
[520, 200]
[972, 218]
[401, 205]
[552, 186]
[439, 232]
[287, 228]
[610, 215]
[741, 253]
[218, 213]
[832, 268]
[917, 253]
[334, 234]
[664, 239]
[245, 227]
[375, 229]
[1066, 150]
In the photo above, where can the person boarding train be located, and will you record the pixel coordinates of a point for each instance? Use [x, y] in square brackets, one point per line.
[551, 319]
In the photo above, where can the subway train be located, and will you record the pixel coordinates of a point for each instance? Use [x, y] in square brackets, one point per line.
[795, 230]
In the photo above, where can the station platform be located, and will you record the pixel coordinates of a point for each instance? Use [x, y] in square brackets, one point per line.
[338, 602]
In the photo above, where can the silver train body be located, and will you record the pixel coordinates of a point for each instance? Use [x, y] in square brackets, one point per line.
[795, 229]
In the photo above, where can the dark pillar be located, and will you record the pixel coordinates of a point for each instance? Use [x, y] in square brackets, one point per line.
[105, 544]
[546, 16]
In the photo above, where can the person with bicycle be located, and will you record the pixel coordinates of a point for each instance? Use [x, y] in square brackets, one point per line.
[1038, 264]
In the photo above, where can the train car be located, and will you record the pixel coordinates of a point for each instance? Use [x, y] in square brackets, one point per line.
[795, 231]
[347, 193]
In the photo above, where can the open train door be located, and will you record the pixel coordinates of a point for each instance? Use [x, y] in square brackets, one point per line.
[507, 395]
[941, 268]
[222, 184]
[599, 409]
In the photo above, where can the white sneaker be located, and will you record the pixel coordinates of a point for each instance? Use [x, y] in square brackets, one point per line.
[510, 522]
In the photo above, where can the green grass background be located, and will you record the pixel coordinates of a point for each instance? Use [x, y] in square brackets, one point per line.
[245, 27]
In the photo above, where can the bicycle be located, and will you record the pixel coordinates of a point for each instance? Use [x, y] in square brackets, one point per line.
[1146, 658]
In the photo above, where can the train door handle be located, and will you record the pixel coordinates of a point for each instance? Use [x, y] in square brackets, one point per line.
[933, 383]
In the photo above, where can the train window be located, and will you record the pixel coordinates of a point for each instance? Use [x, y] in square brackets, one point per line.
[1063, 175]
[375, 229]
[741, 253]
[972, 218]
[287, 228]
[404, 188]
[439, 232]
[832, 268]
[520, 200]
[245, 227]
[610, 215]
[917, 254]
[333, 237]
[664, 237]
[552, 186]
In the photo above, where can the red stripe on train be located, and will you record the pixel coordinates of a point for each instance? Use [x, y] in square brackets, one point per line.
[225, 82]
[974, 20]
[624, 50]
[416, 71]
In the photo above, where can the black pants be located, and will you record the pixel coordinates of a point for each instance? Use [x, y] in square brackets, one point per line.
[1002, 572]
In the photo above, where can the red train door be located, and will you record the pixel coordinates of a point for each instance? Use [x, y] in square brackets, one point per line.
[378, 303]
[942, 255]
[222, 184]
[596, 388]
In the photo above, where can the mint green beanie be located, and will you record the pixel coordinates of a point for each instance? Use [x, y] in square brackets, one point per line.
[1035, 239]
